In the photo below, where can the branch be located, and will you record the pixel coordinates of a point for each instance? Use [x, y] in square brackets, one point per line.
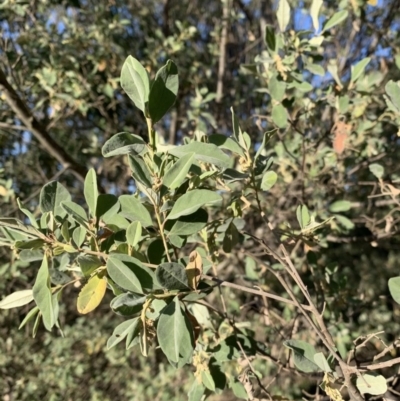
[167, 5]
[381, 365]
[38, 130]
[257, 292]
[222, 50]
[13, 127]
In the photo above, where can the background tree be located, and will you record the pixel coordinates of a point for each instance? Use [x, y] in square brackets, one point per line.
[324, 89]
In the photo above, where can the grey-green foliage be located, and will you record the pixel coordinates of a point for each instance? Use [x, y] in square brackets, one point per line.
[175, 186]
[324, 146]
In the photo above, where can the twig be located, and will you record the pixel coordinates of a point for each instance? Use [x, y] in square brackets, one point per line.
[15, 127]
[322, 330]
[38, 130]
[381, 365]
[252, 291]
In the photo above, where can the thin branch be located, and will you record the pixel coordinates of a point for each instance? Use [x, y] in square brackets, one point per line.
[252, 291]
[38, 130]
[381, 365]
[222, 50]
[167, 6]
[14, 127]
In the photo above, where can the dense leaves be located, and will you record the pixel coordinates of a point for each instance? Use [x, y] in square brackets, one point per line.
[204, 236]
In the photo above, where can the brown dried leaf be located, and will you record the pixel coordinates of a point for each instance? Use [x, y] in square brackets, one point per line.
[341, 132]
[194, 269]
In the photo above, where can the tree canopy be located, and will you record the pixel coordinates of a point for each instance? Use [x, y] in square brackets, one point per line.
[199, 200]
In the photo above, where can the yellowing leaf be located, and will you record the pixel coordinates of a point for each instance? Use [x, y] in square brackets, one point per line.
[3, 191]
[91, 294]
[332, 392]
[372, 2]
[194, 269]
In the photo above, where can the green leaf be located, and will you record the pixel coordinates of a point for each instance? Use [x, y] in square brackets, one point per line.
[107, 206]
[117, 220]
[36, 325]
[314, 11]
[51, 196]
[393, 90]
[193, 201]
[196, 391]
[174, 333]
[133, 209]
[316, 69]
[301, 86]
[123, 275]
[157, 305]
[344, 103]
[336, 19]
[172, 276]
[27, 213]
[190, 224]
[269, 37]
[140, 171]
[91, 294]
[90, 191]
[268, 180]
[321, 362]
[344, 221]
[237, 132]
[88, 264]
[14, 229]
[145, 275]
[377, 170]
[30, 244]
[250, 269]
[333, 70]
[176, 175]
[340, 206]
[127, 304]
[371, 384]
[28, 255]
[156, 252]
[79, 236]
[231, 238]
[207, 380]
[235, 125]
[177, 241]
[134, 233]
[76, 212]
[43, 296]
[276, 88]
[394, 288]
[303, 355]
[358, 69]
[164, 91]
[224, 142]
[123, 144]
[135, 82]
[303, 216]
[283, 14]
[132, 336]
[232, 175]
[238, 389]
[205, 152]
[29, 316]
[16, 299]
[266, 137]
[279, 116]
[121, 331]
[314, 226]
